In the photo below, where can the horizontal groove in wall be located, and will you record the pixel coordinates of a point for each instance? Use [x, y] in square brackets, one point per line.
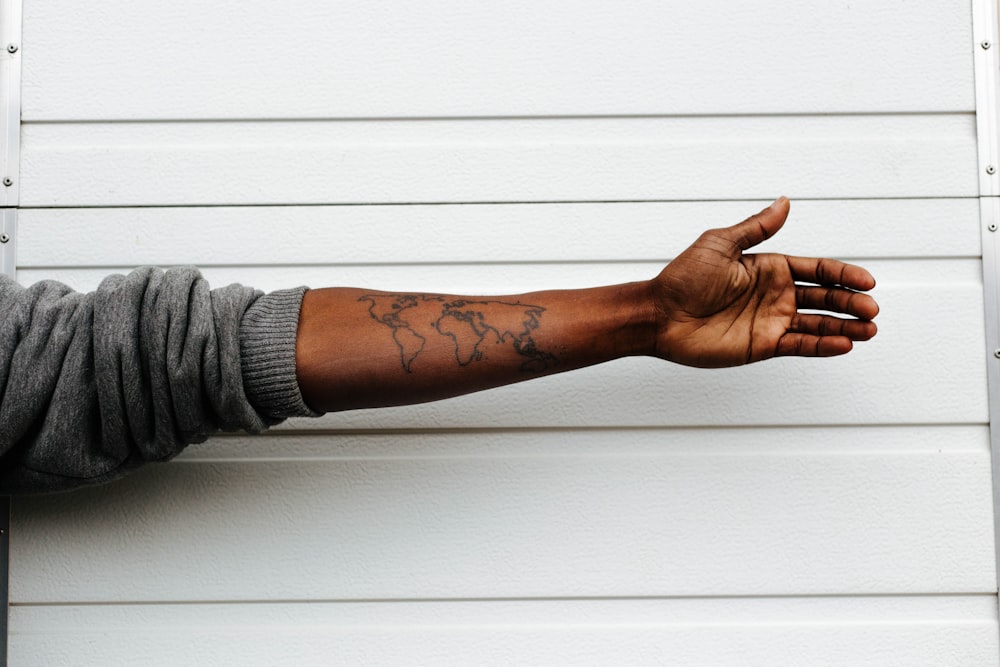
[951, 600]
[151, 120]
[570, 442]
[555, 202]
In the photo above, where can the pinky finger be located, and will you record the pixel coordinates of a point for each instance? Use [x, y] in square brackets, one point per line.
[809, 345]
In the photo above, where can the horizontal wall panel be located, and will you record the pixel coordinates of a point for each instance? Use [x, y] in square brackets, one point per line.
[679, 522]
[316, 59]
[498, 277]
[906, 352]
[612, 159]
[883, 632]
[928, 308]
[493, 233]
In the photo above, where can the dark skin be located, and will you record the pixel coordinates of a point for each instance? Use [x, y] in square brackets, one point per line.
[715, 305]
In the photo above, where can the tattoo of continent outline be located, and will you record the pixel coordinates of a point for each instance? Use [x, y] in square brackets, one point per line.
[486, 321]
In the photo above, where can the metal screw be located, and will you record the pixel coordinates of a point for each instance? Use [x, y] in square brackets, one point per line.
[996, 353]
[4, 238]
[990, 169]
[985, 44]
[12, 48]
[992, 227]
[8, 181]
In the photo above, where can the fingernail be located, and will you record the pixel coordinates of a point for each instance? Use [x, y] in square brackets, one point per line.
[777, 202]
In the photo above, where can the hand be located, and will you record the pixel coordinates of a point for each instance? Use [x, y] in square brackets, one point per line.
[717, 306]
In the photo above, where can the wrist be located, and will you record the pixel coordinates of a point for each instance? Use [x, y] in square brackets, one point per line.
[651, 317]
[638, 319]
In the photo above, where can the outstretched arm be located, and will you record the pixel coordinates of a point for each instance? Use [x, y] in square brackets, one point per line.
[713, 306]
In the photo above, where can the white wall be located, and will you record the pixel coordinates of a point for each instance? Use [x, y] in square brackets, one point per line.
[789, 513]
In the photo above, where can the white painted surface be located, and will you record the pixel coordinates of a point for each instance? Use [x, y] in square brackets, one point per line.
[315, 59]
[610, 159]
[389, 236]
[881, 632]
[930, 346]
[798, 512]
[483, 515]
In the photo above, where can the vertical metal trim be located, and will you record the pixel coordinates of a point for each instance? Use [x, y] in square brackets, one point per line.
[8, 258]
[987, 69]
[985, 48]
[10, 189]
[8, 242]
[4, 575]
[989, 209]
[10, 101]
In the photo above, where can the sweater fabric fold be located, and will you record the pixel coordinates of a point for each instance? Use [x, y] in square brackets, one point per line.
[95, 385]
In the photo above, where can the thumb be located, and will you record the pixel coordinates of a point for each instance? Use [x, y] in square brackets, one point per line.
[760, 227]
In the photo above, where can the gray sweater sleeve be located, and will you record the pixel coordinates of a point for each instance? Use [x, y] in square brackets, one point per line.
[94, 385]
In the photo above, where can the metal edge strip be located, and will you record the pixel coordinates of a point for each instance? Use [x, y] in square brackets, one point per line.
[10, 184]
[4, 576]
[989, 210]
[8, 242]
[985, 33]
[985, 48]
[10, 99]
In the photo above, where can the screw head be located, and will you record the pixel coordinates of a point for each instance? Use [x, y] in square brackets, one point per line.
[990, 169]
[4, 238]
[992, 227]
[12, 48]
[996, 353]
[8, 181]
[985, 44]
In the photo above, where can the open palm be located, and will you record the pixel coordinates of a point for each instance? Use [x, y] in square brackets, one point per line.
[718, 306]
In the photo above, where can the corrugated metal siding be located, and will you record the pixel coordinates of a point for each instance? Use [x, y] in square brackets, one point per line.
[793, 512]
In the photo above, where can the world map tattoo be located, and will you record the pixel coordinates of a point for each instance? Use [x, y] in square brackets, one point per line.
[470, 326]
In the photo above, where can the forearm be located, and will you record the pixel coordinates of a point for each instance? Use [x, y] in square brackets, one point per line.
[361, 348]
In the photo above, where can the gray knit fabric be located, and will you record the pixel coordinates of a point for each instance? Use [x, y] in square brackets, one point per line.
[94, 385]
[267, 342]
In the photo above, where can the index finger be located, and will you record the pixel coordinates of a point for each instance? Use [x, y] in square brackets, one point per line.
[825, 271]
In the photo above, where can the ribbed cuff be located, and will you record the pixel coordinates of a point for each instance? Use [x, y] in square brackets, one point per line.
[267, 353]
